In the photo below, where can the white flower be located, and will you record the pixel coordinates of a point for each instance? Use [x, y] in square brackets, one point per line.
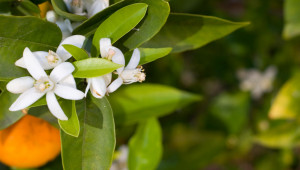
[257, 82]
[130, 74]
[91, 6]
[120, 163]
[98, 85]
[64, 24]
[60, 82]
[51, 59]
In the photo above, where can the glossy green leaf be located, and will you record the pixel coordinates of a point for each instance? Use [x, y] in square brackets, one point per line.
[157, 14]
[118, 24]
[145, 147]
[94, 67]
[142, 101]
[77, 53]
[71, 126]
[286, 104]
[61, 9]
[150, 54]
[232, 110]
[185, 32]
[16, 33]
[291, 17]
[94, 147]
[7, 117]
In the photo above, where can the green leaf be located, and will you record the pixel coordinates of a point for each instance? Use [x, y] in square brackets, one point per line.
[140, 102]
[145, 147]
[44, 113]
[232, 110]
[118, 24]
[285, 134]
[7, 117]
[60, 8]
[157, 14]
[94, 67]
[291, 17]
[94, 147]
[28, 5]
[286, 103]
[16, 33]
[185, 32]
[150, 54]
[71, 126]
[77, 53]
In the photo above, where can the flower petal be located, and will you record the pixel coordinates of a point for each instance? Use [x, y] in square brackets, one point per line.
[26, 99]
[61, 71]
[54, 106]
[119, 59]
[67, 92]
[96, 7]
[107, 78]
[32, 65]
[76, 40]
[98, 87]
[115, 85]
[89, 81]
[135, 59]
[105, 45]
[68, 81]
[40, 56]
[20, 85]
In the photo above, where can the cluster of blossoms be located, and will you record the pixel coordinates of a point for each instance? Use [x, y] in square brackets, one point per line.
[257, 82]
[61, 82]
[86, 8]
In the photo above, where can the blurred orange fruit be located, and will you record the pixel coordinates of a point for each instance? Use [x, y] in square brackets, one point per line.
[44, 7]
[29, 143]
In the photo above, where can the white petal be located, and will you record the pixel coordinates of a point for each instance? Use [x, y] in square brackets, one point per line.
[119, 59]
[98, 87]
[115, 85]
[68, 4]
[32, 64]
[68, 81]
[135, 59]
[61, 71]
[41, 56]
[51, 16]
[26, 99]
[68, 25]
[54, 106]
[105, 45]
[107, 78]
[20, 85]
[20, 63]
[96, 7]
[89, 82]
[67, 92]
[76, 40]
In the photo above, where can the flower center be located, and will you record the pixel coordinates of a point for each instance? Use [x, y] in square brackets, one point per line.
[110, 54]
[44, 84]
[134, 75]
[53, 59]
[76, 3]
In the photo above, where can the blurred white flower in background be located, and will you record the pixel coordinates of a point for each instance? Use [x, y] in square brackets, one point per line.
[121, 158]
[257, 82]
[79, 7]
